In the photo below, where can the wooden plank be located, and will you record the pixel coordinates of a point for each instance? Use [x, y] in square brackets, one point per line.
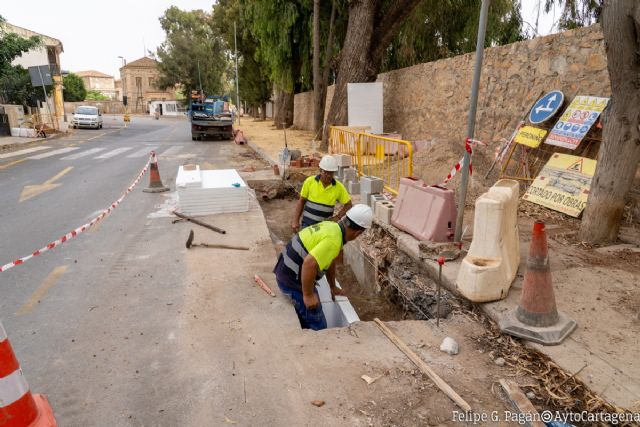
[442, 385]
[521, 403]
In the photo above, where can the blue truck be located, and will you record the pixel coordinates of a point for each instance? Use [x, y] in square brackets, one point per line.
[210, 118]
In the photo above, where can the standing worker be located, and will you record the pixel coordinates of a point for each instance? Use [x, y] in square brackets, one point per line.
[319, 195]
[309, 255]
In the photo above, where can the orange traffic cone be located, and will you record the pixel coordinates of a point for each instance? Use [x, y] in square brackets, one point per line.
[18, 407]
[536, 318]
[155, 183]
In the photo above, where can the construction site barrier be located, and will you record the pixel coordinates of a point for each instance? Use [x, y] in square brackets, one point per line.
[389, 159]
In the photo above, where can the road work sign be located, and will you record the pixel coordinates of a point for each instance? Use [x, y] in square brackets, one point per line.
[530, 136]
[563, 184]
[576, 121]
[546, 107]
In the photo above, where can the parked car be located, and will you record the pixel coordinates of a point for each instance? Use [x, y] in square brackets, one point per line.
[87, 116]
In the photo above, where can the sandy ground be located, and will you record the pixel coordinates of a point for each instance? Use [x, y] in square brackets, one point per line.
[270, 140]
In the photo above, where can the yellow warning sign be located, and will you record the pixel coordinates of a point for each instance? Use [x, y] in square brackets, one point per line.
[530, 136]
[563, 184]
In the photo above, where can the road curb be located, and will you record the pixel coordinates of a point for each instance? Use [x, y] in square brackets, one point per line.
[7, 147]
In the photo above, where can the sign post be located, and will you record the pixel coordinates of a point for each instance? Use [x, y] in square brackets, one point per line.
[471, 123]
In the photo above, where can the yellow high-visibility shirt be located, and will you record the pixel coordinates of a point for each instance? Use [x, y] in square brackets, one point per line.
[323, 241]
[314, 191]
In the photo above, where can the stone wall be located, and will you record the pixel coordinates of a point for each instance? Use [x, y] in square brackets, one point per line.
[430, 101]
[303, 108]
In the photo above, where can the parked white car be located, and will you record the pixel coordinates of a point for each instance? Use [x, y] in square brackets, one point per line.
[87, 116]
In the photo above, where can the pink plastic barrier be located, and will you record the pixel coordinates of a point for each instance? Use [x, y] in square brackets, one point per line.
[427, 212]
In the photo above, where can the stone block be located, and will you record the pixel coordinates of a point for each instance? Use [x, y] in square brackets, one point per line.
[384, 211]
[371, 184]
[344, 160]
[353, 187]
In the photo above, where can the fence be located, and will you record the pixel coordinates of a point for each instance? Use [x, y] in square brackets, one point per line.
[387, 158]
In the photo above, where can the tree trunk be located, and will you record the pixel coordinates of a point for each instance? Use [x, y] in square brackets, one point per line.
[283, 116]
[355, 65]
[263, 111]
[328, 58]
[363, 50]
[620, 150]
[317, 89]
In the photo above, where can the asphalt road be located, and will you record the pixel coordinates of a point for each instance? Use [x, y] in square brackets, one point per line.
[91, 321]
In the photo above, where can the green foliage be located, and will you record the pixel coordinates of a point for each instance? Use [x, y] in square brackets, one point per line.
[575, 13]
[439, 29]
[283, 30]
[74, 89]
[94, 95]
[16, 87]
[255, 87]
[12, 46]
[191, 41]
[15, 83]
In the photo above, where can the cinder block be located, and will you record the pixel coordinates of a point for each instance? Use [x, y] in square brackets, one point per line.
[375, 199]
[371, 184]
[384, 211]
[353, 187]
[344, 160]
[349, 174]
[365, 196]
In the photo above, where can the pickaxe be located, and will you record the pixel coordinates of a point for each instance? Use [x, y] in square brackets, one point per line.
[190, 244]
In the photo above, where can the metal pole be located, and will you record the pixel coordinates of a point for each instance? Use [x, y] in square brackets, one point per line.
[200, 82]
[471, 122]
[235, 41]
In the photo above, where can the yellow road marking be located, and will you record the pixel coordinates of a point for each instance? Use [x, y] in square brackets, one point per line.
[12, 163]
[39, 293]
[30, 191]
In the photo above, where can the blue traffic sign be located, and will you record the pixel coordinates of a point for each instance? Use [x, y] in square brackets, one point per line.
[546, 107]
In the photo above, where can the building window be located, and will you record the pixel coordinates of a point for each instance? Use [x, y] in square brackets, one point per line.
[139, 82]
[151, 83]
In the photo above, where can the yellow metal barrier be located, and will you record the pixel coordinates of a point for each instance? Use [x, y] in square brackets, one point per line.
[344, 140]
[386, 158]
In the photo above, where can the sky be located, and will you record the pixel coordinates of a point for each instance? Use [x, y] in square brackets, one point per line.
[94, 34]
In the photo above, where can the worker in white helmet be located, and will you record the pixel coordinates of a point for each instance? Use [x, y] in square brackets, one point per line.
[309, 255]
[319, 195]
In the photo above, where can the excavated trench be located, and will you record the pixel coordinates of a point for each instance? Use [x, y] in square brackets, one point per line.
[379, 281]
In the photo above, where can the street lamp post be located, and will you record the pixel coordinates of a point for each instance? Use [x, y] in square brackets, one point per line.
[124, 92]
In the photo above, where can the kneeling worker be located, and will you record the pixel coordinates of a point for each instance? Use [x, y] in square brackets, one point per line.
[319, 195]
[309, 255]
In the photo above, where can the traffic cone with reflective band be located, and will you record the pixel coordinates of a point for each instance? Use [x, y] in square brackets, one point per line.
[536, 318]
[155, 183]
[18, 407]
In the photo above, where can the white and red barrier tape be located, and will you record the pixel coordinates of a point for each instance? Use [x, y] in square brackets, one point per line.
[85, 227]
[468, 146]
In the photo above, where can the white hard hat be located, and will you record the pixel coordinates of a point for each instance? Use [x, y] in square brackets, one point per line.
[361, 215]
[329, 164]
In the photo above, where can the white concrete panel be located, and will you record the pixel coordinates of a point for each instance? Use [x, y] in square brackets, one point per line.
[364, 105]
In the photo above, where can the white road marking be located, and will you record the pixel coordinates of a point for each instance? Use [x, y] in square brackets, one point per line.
[54, 153]
[21, 152]
[83, 154]
[171, 150]
[144, 152]
[114, 152]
